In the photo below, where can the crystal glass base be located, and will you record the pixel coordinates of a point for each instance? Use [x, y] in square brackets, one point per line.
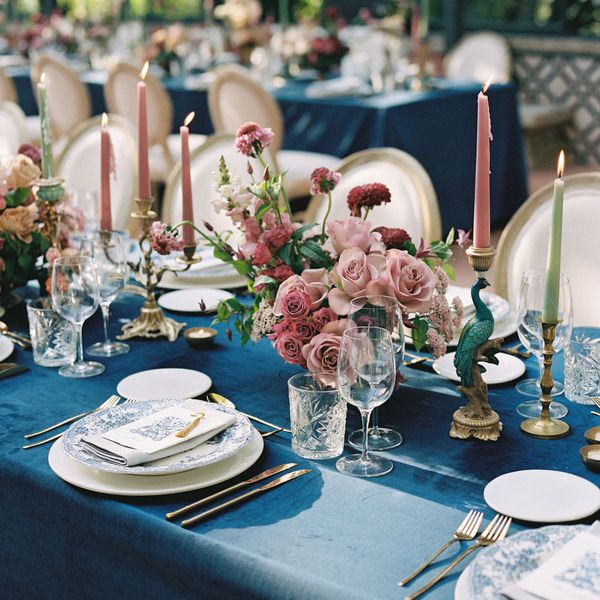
[108, 349]
[531, 387]
[532, 410]
[380, 438]
[355, 466]
[81, 369]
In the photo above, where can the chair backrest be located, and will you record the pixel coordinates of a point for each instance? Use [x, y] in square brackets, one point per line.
[8, 91]
[69, 101]
[203, 162]
[235, 98]
[79, 164]
[13, 128]
[120, 93]
[479, 55]
[524, 244]
[414, 204]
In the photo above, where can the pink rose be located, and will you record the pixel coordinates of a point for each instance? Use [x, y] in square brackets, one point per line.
[278, 237]
[323, 316]
[295, 305]
[337, 327]
[321, 355]
[356, 274]
[262, 255]
[312, 282]
[351, 233]
[305, 328]
[289, 345]
[23, 173]
[410, 280]
[19, 220]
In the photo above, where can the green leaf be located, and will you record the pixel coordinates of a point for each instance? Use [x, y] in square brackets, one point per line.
[297, 235]
[450, 237]
[297, 263]
[262, 211]
[235, 305]
[410, 248]
[284, 253]
[419, 332]
[441, 250]
[25, 261]
[311, 250]
[242, 267]
[449, 270]
[221, 254]
[264, 280]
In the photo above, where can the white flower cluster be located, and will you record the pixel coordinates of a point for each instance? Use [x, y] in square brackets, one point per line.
[263, 320]
[231, 195]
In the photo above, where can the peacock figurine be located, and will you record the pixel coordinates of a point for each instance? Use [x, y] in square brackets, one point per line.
[476, 332]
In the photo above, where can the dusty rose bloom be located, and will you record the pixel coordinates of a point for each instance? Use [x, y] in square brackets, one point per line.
[350, 233]
[441, 280]
[251, 139]
[32, 151]
[295, 305]
[289, 345]
[459, 310]
[323, 181]
[323, 316]
[312, 282]
[436, 343]
[305, 328]
[20, 221]
[164, 240]
[23, 173]
[321, 355]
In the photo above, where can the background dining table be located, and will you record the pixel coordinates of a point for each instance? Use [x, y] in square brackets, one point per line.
[324, 535]
[437, 127]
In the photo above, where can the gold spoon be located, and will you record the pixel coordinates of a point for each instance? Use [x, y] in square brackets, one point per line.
[5, 331]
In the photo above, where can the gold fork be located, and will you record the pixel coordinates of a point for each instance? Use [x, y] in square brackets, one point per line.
[467, 530]
[494, 532]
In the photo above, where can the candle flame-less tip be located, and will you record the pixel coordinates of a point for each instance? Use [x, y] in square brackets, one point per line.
[560, 168]
[189, 119]
[104, 119]
[43, 78]
[486, 85]
[144, 71]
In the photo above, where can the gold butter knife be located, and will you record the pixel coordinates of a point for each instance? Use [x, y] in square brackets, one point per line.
[232, 488]
[191, 426]
[255, 492]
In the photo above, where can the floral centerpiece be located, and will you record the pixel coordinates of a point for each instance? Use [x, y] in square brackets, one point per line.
[304, 276]
[24, 243]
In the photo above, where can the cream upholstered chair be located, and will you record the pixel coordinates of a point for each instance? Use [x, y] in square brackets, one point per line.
[69, 101]
[234, 98]
[414, 204]
[13, 128]
[8, 92]
[120, 95]
[524, 244]
[479, 55]
[79, 164]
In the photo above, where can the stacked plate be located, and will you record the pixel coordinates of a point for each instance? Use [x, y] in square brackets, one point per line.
[222, 457]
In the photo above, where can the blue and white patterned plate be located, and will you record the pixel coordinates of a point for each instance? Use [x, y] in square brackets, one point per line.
[223, 445]
[510, 560]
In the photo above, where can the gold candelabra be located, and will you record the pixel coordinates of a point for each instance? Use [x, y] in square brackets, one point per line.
[544, 426]
[50, 191]
[151, 322]
[477, 419]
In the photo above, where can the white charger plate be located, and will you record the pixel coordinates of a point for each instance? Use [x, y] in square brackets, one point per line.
[228, 281]
[139, 485]
[6, 347]
[188, 300]
[508, 368]
[164, 383]
[508, 561]
[543, 496]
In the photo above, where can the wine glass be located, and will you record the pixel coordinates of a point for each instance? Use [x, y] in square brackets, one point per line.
[385, 312]
[107, 250]
[75, 298]
[366, 374]
[529, 330]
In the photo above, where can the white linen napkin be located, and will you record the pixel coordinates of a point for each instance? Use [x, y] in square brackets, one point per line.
[573, 572]
[153, 436]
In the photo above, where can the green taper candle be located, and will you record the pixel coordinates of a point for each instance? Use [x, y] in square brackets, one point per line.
[46, 137]
[552, 281]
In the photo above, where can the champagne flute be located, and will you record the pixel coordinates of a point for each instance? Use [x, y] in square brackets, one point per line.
[75, 298]
[366, 374]
[385, 312]
[107, 249]
[529, 330]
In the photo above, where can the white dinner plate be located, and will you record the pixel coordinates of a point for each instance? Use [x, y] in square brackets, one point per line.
[218, 448]
[139, 485]
[508, 368]
[189, 300]
[508, 561]
[228, 280]
[164, 383]
[6, 347]
[543, 496]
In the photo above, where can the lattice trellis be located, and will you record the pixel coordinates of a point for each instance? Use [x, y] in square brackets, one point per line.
[572, 79]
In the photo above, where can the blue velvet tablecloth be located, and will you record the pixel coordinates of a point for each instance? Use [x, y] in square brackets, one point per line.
[323, 536]
[437, 127]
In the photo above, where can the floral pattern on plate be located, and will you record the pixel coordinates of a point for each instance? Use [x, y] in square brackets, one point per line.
[511, 559]
[225, 444]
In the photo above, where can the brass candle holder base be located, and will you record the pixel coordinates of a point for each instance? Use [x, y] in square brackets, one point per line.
[50, 191]
[486, 428]
[544, 427]
[152, 323]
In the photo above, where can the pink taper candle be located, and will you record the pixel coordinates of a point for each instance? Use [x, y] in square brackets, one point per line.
[186, 182]
[481, 220]
[415, 31]
[105, 210]
[143, 169]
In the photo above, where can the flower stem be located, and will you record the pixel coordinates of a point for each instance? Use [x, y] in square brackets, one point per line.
[326, 215]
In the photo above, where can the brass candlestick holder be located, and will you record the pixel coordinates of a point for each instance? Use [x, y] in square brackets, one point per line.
[477, 419]
[151, 322]
[50, 191]
[546, 427]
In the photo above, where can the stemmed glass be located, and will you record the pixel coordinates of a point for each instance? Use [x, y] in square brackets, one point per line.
[384, 312]
[366, 374]
[75, 298]
[529, 330]
[107, 249]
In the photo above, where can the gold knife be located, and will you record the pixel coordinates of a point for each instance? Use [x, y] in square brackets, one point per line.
[232, 488]
[255, 492]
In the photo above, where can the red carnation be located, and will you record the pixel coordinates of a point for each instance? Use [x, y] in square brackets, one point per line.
[393, 237]
[368, 195]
